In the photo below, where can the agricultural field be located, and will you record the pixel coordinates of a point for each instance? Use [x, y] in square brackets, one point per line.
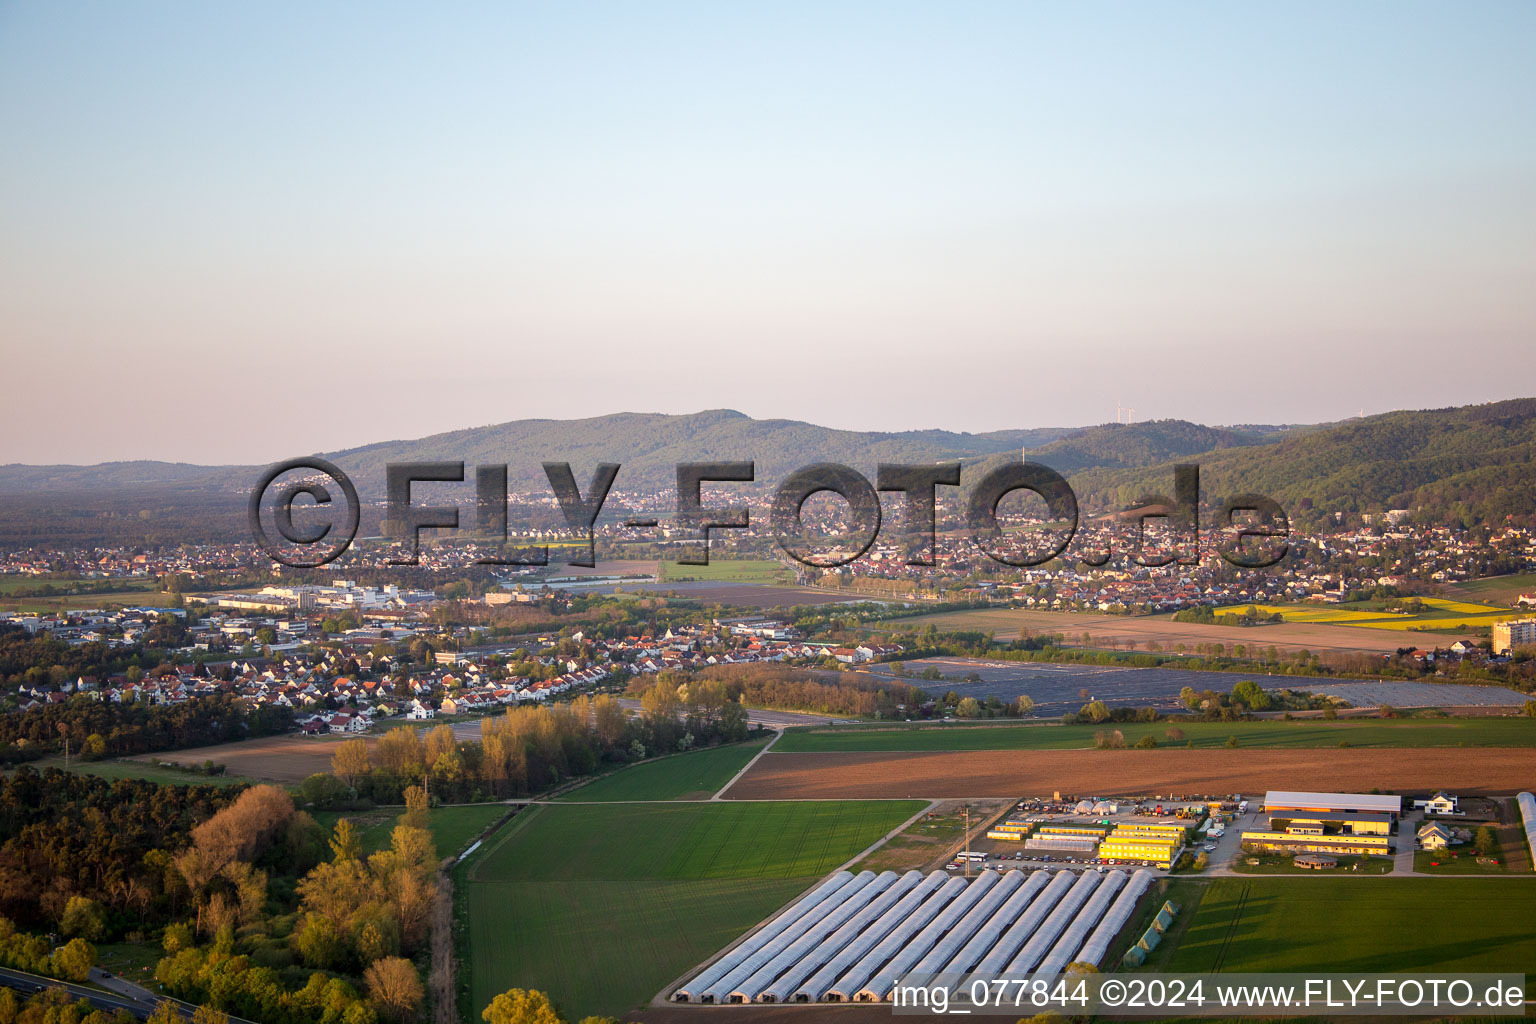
[1437, 732]
[1015, 773]
[289, 758]
[1345, 924]
[1439, 614]
[696, 775]
[1139, 631]
[603, 905]
[452, 827]
[678, 841]
[1498, 590]
[764, 571]
[75, 602]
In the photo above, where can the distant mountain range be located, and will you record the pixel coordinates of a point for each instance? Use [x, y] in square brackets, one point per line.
[1474, 461]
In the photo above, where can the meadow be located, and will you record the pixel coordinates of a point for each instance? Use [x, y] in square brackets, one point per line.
[1431, 732]
[603, 905]
[452, 827]
[1497, 589]
[146, 770]
[696, 775]
[1353, 924]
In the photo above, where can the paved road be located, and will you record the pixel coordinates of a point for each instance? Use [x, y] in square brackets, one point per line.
[24, 982]
[124, 987]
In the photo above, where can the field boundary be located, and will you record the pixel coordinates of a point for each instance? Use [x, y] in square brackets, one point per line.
[719, 794]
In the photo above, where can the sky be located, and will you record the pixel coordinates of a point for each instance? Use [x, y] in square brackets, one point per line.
[237, 232]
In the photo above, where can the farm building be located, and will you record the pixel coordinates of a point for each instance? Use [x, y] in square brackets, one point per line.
[1344, 822]
[1294, 842]
[1284, 804]
[1066, 844]
[855, 936]
[1011, 830]
[1159, 850]
[1142, 828]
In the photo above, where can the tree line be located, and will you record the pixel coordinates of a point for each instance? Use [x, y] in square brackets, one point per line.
[99, 728]
[530, 749]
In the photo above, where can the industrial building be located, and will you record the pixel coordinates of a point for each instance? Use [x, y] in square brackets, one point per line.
[1283, 804]
[1158, 850]
[1327, 823]
[1012, 830]
[1349, 823]
[854, 937]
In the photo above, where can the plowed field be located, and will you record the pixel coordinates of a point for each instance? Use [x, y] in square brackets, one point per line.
[1012, 773]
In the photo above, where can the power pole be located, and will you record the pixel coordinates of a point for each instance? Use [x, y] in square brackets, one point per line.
[967, 840]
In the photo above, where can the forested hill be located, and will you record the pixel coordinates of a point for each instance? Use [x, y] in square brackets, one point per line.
[649, 446]
[1125, 445]
[1473, 463]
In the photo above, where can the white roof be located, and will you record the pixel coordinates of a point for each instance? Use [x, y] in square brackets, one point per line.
[1337, 801]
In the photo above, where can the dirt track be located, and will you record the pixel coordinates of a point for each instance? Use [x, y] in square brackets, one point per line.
[1013, 773]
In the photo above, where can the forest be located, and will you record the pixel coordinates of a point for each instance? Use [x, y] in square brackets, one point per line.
[259, 912]
[98, 728]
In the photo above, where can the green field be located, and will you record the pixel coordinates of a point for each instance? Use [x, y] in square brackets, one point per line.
[1498, 589]
[1350, 924]
[1282, 864]
[726, 570]
[697, 775]
[602, 905]
[453, 828]
[134, 589]
[676, 841]
[145, 770]
[1438, 732]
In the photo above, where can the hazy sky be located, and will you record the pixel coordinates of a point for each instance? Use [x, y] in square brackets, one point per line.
[238, 232]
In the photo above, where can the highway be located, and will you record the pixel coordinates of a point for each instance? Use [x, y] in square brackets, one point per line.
[24, 982]
[136, 1000]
